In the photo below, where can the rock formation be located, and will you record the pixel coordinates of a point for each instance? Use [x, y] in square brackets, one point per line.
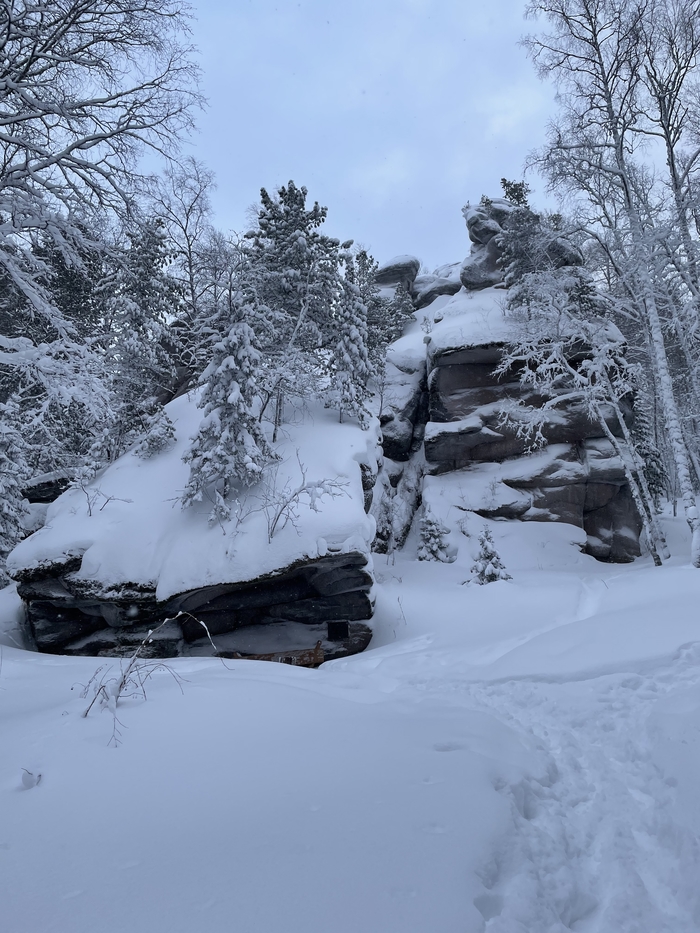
[324, 600]
[402, 270]
[443, 409]
[119, 557]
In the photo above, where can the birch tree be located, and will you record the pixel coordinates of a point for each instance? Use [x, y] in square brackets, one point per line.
[596, 53]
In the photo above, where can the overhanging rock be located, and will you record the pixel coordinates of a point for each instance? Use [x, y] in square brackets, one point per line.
[319, 605]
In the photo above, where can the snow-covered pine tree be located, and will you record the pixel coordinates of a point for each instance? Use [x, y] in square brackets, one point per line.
[159, 432]
[230, 448]
[294, 273]
[386, 317]
[350, 368]
[516, 192]
[433, 543]
[488, 566]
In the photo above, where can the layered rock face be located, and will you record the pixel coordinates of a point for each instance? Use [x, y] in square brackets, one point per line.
[444, 405]
[316, 605]
[583, 483]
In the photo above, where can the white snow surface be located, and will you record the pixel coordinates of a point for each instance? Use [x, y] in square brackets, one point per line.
[129, 526]
[520, 757]
[468, 319]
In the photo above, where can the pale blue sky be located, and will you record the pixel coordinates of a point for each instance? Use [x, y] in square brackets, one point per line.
[393, 113]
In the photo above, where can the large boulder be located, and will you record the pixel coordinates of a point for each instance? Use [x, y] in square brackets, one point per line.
[46, 487]
[426, 288]
[120, 557]
[324, 600]
[577, 478]
[481, 269]
[401, 270]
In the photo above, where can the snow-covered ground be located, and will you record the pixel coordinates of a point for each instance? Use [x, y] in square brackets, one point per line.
[521, 757]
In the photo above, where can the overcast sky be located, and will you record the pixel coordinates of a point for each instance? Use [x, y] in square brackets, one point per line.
[393, 113]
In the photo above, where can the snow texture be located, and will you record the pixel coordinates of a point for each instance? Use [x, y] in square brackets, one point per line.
[515, 757]
[520, 757]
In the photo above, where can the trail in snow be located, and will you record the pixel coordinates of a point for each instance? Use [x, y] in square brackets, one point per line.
[599, 845]
[605, 836]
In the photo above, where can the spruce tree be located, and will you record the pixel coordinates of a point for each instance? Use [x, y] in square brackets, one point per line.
[350, 368]
[488, 567]
[230, 449]
[433, 533]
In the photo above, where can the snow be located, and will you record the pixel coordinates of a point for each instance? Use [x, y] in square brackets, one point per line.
[469, 319]
[129, 526]
[516, 756]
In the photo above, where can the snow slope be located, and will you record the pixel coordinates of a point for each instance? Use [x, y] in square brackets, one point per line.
[515, 758]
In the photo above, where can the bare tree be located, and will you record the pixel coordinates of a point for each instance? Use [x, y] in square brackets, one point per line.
[597, 52]
[85, 87]
[182, 199]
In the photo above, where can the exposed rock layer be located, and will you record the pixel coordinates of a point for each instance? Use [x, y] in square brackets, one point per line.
[585, 485]
[325, 600]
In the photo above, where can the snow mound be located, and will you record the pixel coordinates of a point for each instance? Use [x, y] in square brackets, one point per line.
[128, 526]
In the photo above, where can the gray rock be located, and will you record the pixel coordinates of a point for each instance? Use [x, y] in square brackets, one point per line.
[64, 616]
[500, 210]
[52, 628]
[47, 487]
[404, 385]
[431, 287]
[562, 253]
[402, 270]
[397, 437]
[480, 269]
[558, 504]
[599, 495]
[626, 525]
[513, 509]
[482, 228]
[585, 484]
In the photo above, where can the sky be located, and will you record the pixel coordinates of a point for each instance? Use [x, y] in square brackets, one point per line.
[392, 113]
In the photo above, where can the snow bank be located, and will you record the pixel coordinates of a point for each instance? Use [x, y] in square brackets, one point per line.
[469, 319]
[129, 527]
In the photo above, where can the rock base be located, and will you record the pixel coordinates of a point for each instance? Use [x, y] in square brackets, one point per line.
[326, 600]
